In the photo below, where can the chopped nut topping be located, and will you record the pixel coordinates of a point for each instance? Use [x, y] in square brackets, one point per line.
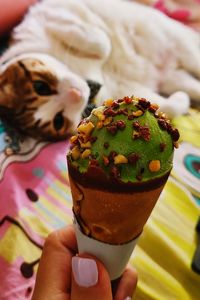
[169, 126]
[153, 107]
[121, 124]
[106, 145]
[133, 158]
[176, 145]
[86, 145]
[120, 100]
[92, 139]
[109, 112]
[112, 156]
[120, 159]
[108, 102]
[127, 100]
[144, 103]
[86, 153]
[131, 117]
[145, 132]
[115, 104]
[137, 113]
[75, 153]
[136, 134]
[175, 134]
[107, 121]
[136, 125]
[99, 114]
[162, 115]
[122, 112]
[112, 129]
[74, 139]
[141, 131]
[162, 123]
[105, 161]
[83, 138]
[86, 128]
[154, 165]
[99, 125]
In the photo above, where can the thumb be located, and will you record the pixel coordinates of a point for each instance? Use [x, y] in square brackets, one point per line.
[90, 280]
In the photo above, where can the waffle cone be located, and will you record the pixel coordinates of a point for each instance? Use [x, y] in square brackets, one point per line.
[112, 217]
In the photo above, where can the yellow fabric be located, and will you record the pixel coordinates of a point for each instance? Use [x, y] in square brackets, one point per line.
[189, 127]
[164, 253]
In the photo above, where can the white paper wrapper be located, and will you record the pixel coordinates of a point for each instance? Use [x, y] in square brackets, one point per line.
[114, 257]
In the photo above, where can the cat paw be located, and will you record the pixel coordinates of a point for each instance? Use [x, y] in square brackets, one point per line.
[177, 104]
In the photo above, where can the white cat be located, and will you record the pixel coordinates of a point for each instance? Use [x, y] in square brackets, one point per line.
[128, 48]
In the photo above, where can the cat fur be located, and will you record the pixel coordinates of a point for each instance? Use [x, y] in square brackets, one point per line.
[128, 48]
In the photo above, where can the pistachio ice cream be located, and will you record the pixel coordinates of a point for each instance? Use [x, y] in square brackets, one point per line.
[118, 165]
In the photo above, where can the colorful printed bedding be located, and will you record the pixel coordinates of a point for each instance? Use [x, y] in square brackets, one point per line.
[35, 199]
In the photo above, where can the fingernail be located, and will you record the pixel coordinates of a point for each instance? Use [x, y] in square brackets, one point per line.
[128, 298]
[85, 271]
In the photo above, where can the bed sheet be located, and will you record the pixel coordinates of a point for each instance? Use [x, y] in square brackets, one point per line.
[185, 11]
[35, 200]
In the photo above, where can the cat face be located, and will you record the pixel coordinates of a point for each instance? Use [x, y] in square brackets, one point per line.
[41, 97]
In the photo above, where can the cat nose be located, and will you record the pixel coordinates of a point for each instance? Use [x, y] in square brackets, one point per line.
[74, 95]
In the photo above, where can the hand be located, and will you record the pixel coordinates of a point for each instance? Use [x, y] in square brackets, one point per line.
[64, 276]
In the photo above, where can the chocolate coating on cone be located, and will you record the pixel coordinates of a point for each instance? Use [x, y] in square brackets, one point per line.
[119, 163]
[111, 217]
[96, 178]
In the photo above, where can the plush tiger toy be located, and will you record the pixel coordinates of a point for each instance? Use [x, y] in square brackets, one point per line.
[64, 49]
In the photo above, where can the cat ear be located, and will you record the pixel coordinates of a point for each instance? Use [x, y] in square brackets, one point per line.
[5, 92]
[10, 85]
[94, 89]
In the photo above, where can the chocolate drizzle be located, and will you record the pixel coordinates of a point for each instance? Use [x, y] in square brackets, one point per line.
[96, 178]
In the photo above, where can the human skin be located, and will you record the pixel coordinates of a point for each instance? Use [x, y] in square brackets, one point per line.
[58, 279]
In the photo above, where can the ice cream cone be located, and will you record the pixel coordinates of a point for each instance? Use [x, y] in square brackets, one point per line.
[119, 163]
[108, 254]
[114, 217]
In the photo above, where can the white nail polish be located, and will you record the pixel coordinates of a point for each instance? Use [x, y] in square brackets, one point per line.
[128, 298]
[85, 271]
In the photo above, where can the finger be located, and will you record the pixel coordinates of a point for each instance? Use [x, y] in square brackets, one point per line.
[127, 284]
[90, 280]
[54, 272]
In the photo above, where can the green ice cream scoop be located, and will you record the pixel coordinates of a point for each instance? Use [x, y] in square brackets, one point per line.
[127, 139]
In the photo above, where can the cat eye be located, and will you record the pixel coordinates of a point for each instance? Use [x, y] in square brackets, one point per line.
[58, 121]
[42, 88]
